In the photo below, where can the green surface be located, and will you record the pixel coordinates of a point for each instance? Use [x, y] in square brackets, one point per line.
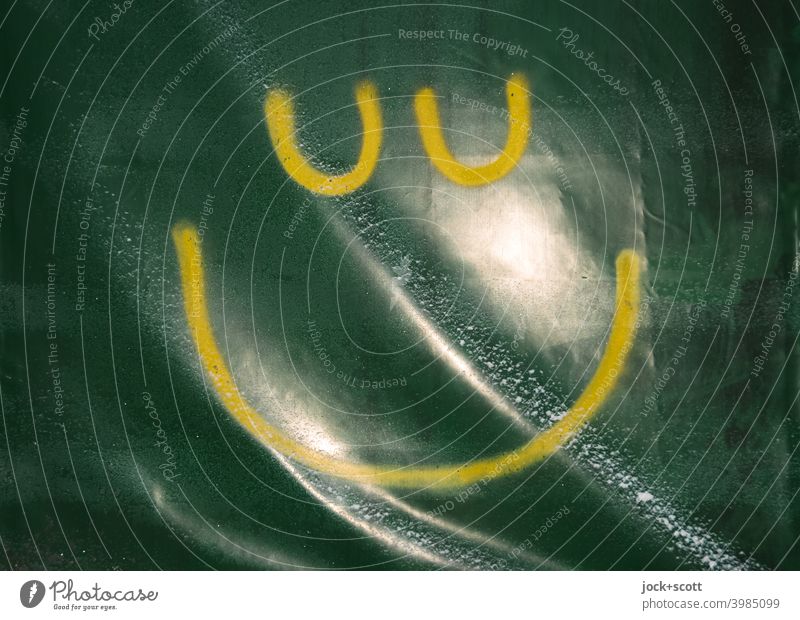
[691, 464]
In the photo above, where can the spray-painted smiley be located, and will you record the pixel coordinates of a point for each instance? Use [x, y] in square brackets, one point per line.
[279, 114]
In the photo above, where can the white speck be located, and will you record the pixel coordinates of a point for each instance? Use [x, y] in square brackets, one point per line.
[644, 496]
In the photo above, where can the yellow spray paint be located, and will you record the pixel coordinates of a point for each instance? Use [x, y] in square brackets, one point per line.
[603, 381]
[519, 124]
[279, 114]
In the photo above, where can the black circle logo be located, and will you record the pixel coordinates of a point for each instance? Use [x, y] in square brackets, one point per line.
[31, 593]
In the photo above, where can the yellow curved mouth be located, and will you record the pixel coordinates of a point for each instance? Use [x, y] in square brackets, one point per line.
[602, 383]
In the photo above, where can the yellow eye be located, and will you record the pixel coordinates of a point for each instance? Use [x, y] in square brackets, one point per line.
[519, 127]
[279, 114]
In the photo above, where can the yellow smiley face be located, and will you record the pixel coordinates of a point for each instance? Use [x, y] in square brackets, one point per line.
[279, 115]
